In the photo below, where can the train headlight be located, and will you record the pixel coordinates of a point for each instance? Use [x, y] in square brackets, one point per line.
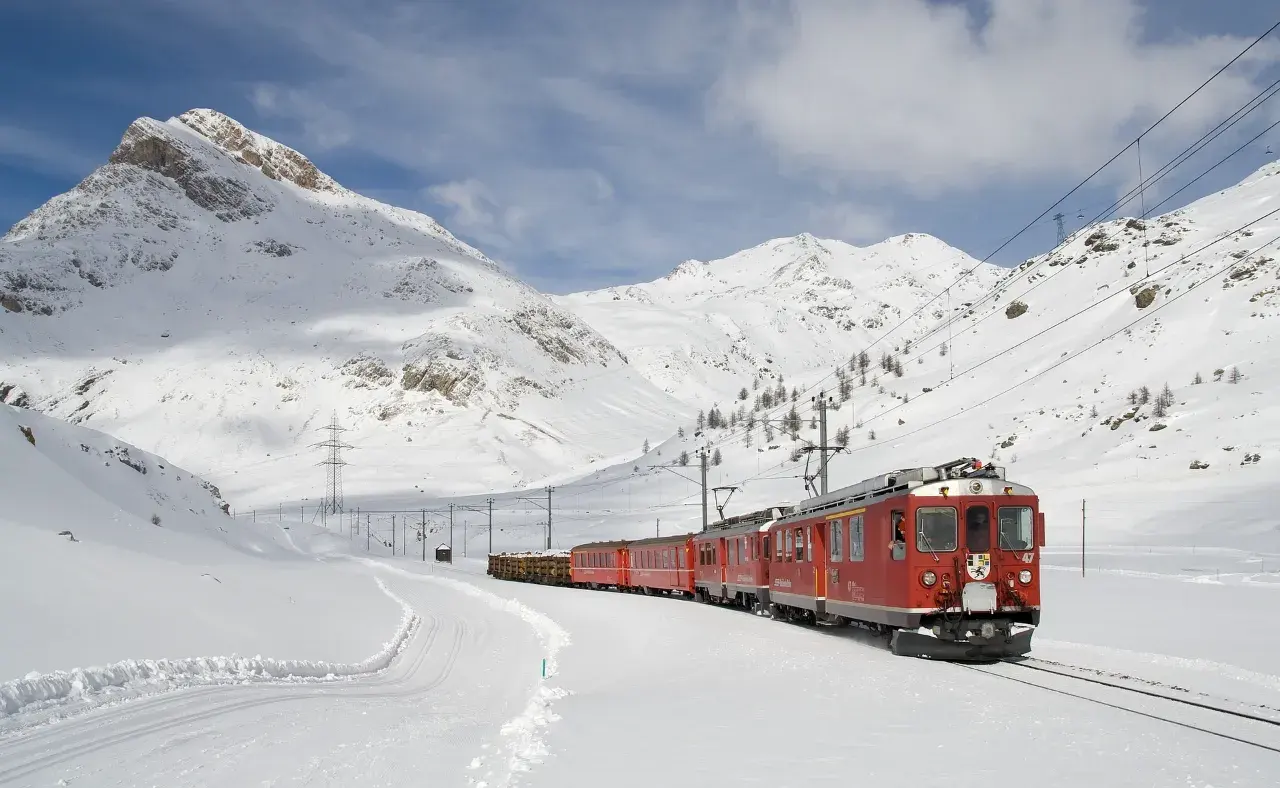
[929, 578]
[1024, 576]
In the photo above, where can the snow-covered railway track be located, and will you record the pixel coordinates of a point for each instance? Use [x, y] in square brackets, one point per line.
[1250, 721]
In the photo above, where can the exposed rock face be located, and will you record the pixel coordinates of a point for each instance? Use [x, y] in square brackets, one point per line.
[147, 144]
[1144, 298]
[276, 161]
[1016, 309]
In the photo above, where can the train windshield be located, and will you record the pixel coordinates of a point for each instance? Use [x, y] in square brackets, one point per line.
[936, 529]
[1017, 528]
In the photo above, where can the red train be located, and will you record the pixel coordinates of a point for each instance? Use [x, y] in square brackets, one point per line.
[944, 559]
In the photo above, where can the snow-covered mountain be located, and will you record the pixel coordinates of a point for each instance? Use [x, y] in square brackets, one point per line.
[789, 307]
[213, 296]
[1045, 373]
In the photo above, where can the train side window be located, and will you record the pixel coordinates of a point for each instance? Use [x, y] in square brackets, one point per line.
[835, 536]
[799, 544]
[778, 540]
[681, 556]
[790, 543]
[856, 538]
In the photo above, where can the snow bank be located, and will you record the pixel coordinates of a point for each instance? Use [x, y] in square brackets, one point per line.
[79, 690]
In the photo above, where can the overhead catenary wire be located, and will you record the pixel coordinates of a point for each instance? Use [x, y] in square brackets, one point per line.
[973, 325]
[1061, 199]
[773, 413]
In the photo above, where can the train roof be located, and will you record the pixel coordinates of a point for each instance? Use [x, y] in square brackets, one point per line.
[899, 482]
[614, 544]
[749, 522]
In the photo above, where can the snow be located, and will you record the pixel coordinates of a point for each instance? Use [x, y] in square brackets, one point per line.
[344, 662]
[244, 311]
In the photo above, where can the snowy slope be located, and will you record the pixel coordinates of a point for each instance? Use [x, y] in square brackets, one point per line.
[1045, 391]
[211, 295]
[113, 553]
[788, 307]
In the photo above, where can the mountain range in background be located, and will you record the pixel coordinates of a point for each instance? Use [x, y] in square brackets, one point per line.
[211, 295]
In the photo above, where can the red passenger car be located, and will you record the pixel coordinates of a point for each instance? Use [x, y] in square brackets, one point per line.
[661, 564]
[729, 558]
[599, 565]
[946, 558]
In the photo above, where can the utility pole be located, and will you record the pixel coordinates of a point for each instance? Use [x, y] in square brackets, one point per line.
[1082, 503]
[490, 502]
[549, 491]
[821, 403]
[423, 534]
[368, 534]
[702, 453]
[822, 439]
[393, 535]
[657, 527]
[1062, 234]
[450, 528]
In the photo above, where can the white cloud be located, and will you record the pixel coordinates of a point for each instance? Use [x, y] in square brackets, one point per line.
[915, 95]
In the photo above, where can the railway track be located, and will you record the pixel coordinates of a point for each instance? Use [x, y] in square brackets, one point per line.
[1029, 667]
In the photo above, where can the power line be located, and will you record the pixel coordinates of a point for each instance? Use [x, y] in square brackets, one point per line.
[1073, 190]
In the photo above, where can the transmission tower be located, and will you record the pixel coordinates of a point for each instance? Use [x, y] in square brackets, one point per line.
[333, 463]
[1062, 233]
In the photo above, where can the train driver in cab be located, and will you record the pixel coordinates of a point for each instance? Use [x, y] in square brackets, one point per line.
[898, 546]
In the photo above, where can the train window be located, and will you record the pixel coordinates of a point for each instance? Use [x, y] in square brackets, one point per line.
[977, 528]
[835, 536]
[790, 543]
[777, 546]
[682, 558]
[856, 538]
[937, 529]
[808, 543]
[799, 544]
[1017, 528]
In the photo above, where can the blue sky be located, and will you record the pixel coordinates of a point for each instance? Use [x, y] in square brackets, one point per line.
[589, 143]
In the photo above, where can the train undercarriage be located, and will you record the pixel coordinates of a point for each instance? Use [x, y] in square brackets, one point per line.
[941, 637]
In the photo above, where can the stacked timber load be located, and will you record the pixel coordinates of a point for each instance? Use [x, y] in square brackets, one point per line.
[549, 567]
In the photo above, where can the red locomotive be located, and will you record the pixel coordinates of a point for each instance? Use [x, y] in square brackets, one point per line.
[944, 559]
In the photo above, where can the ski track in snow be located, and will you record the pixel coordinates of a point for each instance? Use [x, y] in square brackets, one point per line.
[522, 743]
[48, 697]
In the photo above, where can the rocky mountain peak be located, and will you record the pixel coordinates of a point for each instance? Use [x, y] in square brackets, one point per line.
[276, 161]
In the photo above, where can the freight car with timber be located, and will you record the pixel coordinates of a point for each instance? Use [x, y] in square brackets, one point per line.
[547, 567]
[945, 560]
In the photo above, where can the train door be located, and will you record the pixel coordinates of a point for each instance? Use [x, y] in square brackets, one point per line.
[977, 542]
[818, 555]
[766, 560]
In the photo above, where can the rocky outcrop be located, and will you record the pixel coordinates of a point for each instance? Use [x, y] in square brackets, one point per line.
[276, 161]
[149, 145]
